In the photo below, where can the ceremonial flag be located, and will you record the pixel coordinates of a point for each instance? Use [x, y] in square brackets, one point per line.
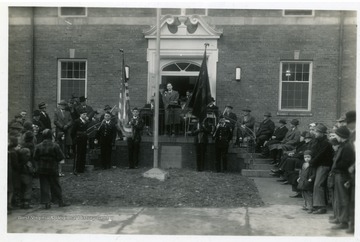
[201, 96]
[124, 104]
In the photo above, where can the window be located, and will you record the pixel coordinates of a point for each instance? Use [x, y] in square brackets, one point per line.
[298, 13]
[72, 78]
[72, 12]
[295, 85]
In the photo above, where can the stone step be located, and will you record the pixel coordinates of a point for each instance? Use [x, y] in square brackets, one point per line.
[255, 173]
[260, 166]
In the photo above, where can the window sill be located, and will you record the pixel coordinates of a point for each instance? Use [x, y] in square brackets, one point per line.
[295, 113]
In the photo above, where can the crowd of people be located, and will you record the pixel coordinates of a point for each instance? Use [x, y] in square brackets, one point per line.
[37, 148]
[319, 163]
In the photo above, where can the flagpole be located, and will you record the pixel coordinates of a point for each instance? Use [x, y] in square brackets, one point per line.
[157, 81]
[155, 172]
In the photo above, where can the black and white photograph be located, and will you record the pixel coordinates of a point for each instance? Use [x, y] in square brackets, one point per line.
[182, 121]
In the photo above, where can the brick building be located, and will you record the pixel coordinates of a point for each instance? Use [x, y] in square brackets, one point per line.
[296, 64]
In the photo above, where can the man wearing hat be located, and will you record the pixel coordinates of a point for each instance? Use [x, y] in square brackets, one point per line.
[17, 119]
[264, 132]
[230, 118]
[63, 123]
[292, 138]
[276, 138]
[322, 160]
[44, 116]
[344, 158]
[245, 126]
[212, 108]
[222, 136]
[80, 137]
[84, 107]
[137, 125]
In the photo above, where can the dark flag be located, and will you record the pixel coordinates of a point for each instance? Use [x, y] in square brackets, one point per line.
[201, 96]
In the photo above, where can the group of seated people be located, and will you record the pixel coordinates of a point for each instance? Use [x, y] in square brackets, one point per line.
[318, 163]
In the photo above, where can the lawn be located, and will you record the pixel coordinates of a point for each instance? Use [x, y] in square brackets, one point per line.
[184, 188]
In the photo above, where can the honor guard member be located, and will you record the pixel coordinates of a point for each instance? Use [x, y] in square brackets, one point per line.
[79, 134]
[106, 135]
[222, 137]
[137, 125]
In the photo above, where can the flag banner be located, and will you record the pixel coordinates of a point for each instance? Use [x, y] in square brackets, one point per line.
[124, 113]
[201, 96]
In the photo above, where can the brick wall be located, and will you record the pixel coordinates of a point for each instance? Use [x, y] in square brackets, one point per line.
[257, 49]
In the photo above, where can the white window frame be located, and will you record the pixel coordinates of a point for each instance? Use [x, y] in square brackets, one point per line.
[72, 16]
[310, 85]
[60, 79]
[298, 15]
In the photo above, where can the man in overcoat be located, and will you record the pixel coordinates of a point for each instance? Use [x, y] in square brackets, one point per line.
[322, 160]
[264, 132]
[47, 156]
[170, 99]
[63, 123]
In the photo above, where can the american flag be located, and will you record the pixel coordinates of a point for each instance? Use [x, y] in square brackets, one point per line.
[124, 114]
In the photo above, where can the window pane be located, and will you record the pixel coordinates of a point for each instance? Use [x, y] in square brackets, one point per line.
[193, 67]
[172, 67]
[182, 66]
[294, 95]
[72, 80]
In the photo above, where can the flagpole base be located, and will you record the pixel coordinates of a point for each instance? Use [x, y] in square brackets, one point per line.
[157, 174]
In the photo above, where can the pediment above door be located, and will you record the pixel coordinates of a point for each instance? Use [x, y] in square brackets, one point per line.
[184, 27]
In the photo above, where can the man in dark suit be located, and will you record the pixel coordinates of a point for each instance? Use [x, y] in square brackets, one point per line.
[137, 125]
[44, 117]
[276, 138]
[264, 132]
[170, 98]
[106, 135]
[79, 134]
[63, 123]
[222, 136]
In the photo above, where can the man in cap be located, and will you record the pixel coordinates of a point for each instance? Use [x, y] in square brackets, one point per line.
[230, 118]
[17, 119]
[245, 126]
[264, 132]
[84, 107]
[343, 160]
[47, 155]
[290, 141]
[322, 160]
[63, 123]
[133, 142]
[222, 136]
[80, 137]
[44, 116]
[276, 138]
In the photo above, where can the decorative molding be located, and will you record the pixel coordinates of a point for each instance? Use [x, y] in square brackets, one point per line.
[184, 27]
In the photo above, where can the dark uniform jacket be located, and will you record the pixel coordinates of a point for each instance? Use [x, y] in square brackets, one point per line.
[106, 131]
[79, 129]
[47, 156]
[137, 125]
[201, 134]
[222, 135]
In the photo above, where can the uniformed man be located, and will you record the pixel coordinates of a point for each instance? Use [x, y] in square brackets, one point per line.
[222, 136]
